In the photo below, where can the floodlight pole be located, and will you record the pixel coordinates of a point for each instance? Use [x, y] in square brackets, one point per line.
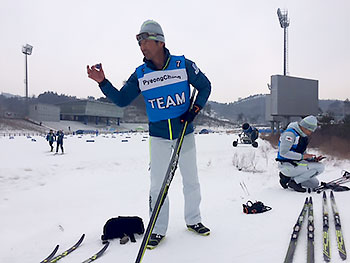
[26, 79]
[285, 52]
[27, 50]
[284, 22]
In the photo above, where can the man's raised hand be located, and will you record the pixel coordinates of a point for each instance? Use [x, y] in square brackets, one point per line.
[96, 73]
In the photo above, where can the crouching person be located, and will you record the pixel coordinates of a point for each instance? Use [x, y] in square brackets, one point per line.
[298, 169]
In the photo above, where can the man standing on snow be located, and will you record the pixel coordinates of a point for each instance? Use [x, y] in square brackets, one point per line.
[59, 136]
[298, 169]
[51, 137]
[164, 81]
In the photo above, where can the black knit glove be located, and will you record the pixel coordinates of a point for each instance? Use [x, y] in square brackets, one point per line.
[189, 116]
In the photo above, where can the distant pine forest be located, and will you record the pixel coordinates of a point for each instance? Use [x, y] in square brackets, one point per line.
[250, 109]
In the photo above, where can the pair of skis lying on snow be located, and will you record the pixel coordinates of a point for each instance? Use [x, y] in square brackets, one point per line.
[308, 206]
[51, 258]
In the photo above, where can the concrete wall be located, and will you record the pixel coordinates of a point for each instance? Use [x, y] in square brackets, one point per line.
[44, 112]
[103, 109]
[91, 108]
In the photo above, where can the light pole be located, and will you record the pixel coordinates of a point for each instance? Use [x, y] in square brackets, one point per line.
[27, 50]
[284, 22]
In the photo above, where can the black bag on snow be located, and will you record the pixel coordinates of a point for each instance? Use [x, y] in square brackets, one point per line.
[255, 208]
[123, 227]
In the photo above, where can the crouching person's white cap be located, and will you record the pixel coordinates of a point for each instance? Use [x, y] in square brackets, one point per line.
[309, 122]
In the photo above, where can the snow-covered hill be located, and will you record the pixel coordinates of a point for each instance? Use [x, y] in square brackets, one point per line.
[48, 199]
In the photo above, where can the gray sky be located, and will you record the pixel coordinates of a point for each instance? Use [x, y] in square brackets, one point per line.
[237, 44]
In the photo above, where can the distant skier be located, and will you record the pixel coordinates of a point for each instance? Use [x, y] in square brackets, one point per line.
[297, 168]
[60, 136]
[51, 137]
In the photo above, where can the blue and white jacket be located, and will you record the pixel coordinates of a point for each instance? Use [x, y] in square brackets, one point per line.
[166, 93]
[292, 144]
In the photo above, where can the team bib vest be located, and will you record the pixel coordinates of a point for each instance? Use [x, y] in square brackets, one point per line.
[166, 92]
[299, 145]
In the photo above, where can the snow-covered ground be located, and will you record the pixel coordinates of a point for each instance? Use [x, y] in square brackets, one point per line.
[48, 199]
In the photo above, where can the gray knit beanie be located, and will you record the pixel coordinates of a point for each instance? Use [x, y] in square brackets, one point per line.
[309, 122]
[153, 28]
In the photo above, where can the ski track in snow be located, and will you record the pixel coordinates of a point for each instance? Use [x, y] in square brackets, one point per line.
[48, 199]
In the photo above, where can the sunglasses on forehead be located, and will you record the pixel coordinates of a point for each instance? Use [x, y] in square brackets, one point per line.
[147, 35]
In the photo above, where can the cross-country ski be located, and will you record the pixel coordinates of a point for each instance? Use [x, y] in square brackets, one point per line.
[310, 233]
[68, 251]
[338, 228]
[51, 255]
[97, 255]
[326, 243]
[295, 234]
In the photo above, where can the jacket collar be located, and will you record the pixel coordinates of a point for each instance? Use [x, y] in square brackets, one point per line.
[150, 64]
[296, 127]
